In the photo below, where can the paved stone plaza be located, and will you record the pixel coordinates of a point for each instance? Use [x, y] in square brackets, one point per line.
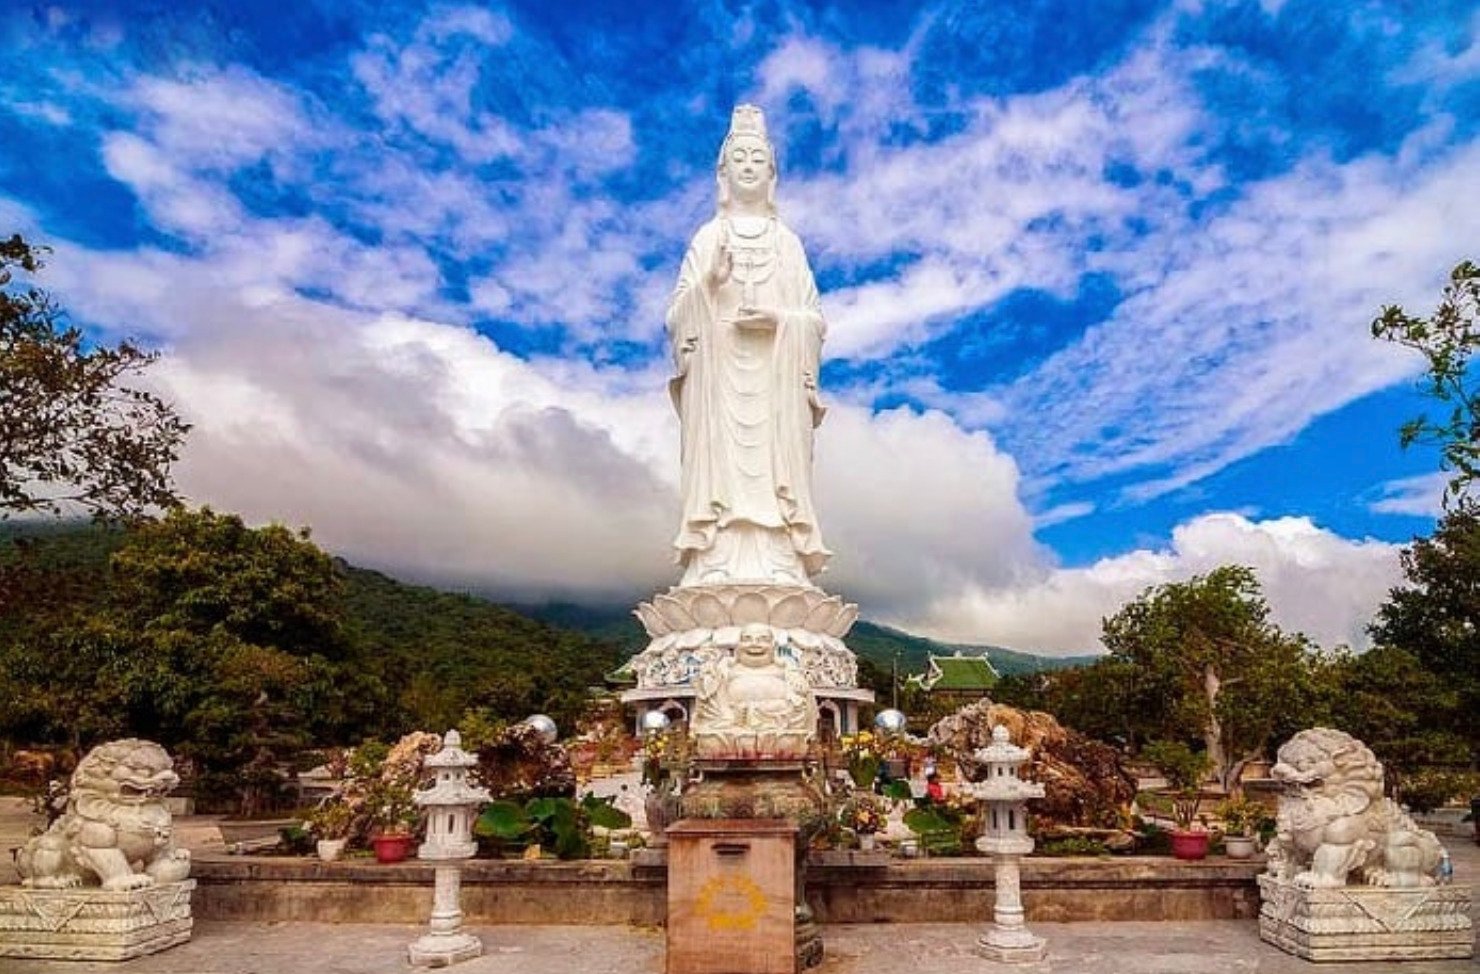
[1209, 947]
[1213, 947]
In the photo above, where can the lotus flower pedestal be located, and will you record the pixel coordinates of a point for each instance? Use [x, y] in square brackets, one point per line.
[690, 625]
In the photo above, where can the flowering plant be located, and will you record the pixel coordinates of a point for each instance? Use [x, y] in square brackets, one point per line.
[331, 818]
[1242, 816]
[664, 758]
[863, 813]
[861, 751]
[392, 809]
[378, 784]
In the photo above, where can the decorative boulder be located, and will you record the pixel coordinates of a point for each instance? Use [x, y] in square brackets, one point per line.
[1084, 782]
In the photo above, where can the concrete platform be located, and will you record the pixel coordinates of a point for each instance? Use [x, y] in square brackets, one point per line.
[1206, 947]
[1174, 947]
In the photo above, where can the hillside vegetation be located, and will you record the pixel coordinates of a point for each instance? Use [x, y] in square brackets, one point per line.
[235, 646]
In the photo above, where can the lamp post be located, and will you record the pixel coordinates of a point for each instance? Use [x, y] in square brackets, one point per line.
[450, 804]
[894, 682]
[1005, 838]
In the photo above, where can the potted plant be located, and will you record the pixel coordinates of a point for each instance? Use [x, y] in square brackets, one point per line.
[562, 826]
[330, 823]
[394, 815]
[1184, 770]
[864, 815]
[1242, 820]
[664, 768]
[861, 751]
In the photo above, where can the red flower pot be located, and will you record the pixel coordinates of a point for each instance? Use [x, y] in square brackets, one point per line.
[1190, 845]
[391, 848]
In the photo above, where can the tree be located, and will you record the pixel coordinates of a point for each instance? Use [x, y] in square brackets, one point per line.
[1099, 700]
[1204, 662]
[1446, 341]
[1436, 617]
[224, 643]
[72, 431]
[1405, 713]
[236, 646]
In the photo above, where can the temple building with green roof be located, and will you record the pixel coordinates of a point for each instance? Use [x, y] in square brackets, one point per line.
[961, 675]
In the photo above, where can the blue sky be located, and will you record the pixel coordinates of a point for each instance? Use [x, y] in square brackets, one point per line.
[1097, 286]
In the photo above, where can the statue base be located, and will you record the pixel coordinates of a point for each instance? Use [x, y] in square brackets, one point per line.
[763, 795]
[88, 923]
[443, 949]
[1010, 947]
[732, 897]
[1360, 923]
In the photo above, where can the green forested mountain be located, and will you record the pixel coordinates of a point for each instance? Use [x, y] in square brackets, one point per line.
[451, 652]
[200, 602]
[146, 648]
[879, 643]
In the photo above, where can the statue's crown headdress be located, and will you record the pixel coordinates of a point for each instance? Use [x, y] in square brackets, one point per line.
[747, 120]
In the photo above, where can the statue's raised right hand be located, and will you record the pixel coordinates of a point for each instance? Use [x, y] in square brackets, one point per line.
[721, 264]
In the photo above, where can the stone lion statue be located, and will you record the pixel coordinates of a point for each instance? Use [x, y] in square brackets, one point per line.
[116, 829]
[1333, 819]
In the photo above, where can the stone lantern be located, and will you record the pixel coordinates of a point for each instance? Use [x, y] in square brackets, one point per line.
[1005, 838]
[450, 804]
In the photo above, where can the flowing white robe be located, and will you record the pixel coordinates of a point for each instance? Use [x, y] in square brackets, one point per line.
[748, 403]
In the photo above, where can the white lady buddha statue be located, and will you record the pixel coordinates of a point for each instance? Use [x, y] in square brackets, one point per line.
[746, 328]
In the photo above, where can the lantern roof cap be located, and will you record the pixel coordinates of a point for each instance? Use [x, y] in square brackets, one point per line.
[1002, 750]
[451, 755]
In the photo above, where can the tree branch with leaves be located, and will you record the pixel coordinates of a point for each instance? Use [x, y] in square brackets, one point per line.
[74, 433]
[1447, 340]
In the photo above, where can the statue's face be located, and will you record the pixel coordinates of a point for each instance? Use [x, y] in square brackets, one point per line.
[757, 646]
[748, 168]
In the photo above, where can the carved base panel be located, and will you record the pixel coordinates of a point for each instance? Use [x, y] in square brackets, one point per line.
[732, 898]
[1358, 923]
[742, 790]
[93, 924]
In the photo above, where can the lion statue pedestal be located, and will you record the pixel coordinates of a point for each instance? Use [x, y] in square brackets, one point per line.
[106, 881]
[1350, 876]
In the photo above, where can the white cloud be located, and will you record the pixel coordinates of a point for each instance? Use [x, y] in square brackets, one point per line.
[177, 200]
[47, 111]
[1245, 306]
[1443, 68]
[1241, 331]
[423, 449]
[219, 120]
[1060, 513]
[914, 506]
[1316, 582]
[1420, 496]
[807, 64]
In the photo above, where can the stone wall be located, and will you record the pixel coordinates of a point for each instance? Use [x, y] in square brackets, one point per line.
[599, 892]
